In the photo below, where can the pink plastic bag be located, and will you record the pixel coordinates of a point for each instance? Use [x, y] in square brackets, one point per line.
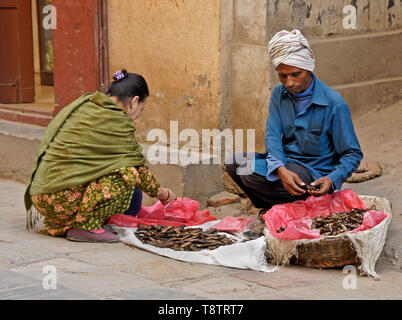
[182, 211]
[297, 216]
[233, 224]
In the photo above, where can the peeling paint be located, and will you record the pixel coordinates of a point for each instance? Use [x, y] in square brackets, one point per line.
[309, 10]
[320, 14]
[203, 80]
[299, 10]
[276, 7]
[390, 16]
[367, 7]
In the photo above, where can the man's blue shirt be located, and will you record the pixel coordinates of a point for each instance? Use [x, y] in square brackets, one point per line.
[321, 137]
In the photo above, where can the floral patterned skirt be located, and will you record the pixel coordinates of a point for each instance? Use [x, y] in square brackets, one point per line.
[89, 205]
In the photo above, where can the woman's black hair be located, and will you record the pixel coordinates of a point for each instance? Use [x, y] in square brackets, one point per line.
[128, 85]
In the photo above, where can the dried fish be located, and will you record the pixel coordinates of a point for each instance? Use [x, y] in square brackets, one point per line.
[337, 223]
[180, 238]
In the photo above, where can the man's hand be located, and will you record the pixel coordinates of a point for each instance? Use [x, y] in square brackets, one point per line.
[291, 181]
[323, 184]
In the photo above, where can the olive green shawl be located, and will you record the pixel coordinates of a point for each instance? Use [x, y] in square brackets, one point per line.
[89, 138]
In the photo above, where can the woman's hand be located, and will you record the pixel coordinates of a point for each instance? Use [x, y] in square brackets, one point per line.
[165, 196]
[291, 181]
[323, 184]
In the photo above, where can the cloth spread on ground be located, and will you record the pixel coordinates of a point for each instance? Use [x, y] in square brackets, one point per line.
[241, 254]
[184, 211]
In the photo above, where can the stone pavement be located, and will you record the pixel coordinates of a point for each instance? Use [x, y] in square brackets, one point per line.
[118, 271]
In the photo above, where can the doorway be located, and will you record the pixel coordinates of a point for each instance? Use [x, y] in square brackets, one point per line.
[43, 58]
[26, 63]
[33, 89]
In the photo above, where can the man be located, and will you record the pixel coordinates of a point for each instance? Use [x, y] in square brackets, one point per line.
[310, 138]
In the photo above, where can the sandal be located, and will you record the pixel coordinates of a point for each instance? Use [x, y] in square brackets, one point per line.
[92, 236]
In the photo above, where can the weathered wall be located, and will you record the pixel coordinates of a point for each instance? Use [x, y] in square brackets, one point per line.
[363, 64]
[174, 44]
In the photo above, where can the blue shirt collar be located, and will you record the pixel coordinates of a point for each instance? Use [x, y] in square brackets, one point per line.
[307, 94]
[319, 97]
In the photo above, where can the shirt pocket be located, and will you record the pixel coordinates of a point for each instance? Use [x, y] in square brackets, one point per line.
[314, 142]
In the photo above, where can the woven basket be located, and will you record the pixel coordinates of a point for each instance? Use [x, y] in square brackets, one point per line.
[330, 252]
[334, 251]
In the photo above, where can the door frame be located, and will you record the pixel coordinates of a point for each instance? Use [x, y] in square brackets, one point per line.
[81, 59]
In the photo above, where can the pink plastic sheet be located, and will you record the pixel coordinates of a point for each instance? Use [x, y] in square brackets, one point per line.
[233, 224]
[182, 211]
[297, 216]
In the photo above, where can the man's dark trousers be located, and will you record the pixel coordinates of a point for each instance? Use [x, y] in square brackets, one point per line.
[264, 193]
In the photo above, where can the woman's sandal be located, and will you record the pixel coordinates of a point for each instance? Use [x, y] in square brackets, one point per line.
[92, 236]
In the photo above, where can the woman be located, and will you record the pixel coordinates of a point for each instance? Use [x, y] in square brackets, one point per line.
[90, 166]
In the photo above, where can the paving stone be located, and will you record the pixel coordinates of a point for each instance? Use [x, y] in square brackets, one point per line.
[44, 248]
[104, 283]
[90, 279]
[123, 255]
[145, 264]
[224, 287]
[223, 198]
[157, 294]
[10, 279]
[64, 266]
[280, 279]
[335, 290]
[18, 235]
[169, 270]
[38, 293]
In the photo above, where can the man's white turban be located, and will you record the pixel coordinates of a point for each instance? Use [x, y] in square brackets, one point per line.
[291, 48]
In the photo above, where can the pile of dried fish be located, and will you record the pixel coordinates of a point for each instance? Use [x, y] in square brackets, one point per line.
[336, 223]
[191, 239]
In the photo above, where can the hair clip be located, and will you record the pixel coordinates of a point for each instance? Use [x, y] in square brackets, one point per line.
[119, 75]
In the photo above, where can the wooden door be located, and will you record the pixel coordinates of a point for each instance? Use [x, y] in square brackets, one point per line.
[16, 52]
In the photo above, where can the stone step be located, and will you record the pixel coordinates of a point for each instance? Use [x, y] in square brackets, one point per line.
[25, 115]
[20, 142]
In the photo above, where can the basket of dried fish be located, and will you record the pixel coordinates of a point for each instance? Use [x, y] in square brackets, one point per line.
[320, 236]
[332, 250]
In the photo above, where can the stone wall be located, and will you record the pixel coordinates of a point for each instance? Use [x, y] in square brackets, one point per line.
[207, 64]
[175, 45]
